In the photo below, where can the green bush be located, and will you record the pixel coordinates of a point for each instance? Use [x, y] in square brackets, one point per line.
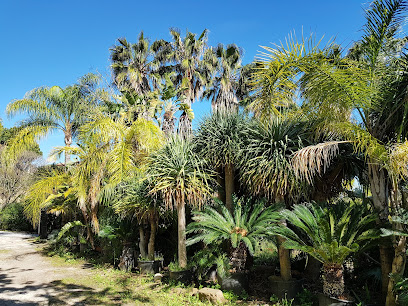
[12, 218]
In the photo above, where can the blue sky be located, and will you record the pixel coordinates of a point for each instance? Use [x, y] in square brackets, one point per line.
[54, 42]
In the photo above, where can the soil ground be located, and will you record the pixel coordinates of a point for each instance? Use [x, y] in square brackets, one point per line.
[28, 278]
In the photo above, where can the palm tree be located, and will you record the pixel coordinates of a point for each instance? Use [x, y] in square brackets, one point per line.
[223, 87]
[177, 174]
[184, 57]
[132, 200]
[55, 108]
[134, 72]
[218, 140]
[368, 84]
[329, 234]
[243, 228]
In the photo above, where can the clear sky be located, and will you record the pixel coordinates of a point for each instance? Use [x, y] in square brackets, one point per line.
[54, 42]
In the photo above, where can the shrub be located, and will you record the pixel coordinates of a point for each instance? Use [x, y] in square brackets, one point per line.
[12, 218]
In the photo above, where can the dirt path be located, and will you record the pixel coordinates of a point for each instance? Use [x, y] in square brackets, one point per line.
[27, 278]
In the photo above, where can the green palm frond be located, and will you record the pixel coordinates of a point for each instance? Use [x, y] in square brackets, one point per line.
[213, 225]
[331, 233]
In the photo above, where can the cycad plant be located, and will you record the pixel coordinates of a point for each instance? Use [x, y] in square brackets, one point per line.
[243, 228]
[330, 235]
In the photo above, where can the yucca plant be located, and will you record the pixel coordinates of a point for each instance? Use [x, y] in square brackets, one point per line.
[243, 228]
[330, 234]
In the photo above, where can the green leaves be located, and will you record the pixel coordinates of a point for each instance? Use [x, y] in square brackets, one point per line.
[178, 174]
[247, 224]
[329, 233]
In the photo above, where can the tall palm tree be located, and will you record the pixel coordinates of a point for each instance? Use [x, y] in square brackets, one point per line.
[329, 234]
[184, 57]
[177, 174]
[223, 87]
[133, 67]
[55, 108]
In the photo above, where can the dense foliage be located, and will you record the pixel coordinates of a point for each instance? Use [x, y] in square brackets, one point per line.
[318, 131]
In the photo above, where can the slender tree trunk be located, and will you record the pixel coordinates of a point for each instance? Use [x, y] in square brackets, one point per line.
[379, 189]
[182, 249]
[399, 261]
[333, 280]
[142, 242]
[68, 142]
[185, 126]
[284, 260]
[398, 267]
[229, 185]
[88, 230]
[153, 230]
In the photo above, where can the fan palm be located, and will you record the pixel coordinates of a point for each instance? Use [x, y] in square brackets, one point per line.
[332, 234]
[243, 228]
[177, 174]
[55, 108]
[133, 71]
[184, 57]
[222, 89]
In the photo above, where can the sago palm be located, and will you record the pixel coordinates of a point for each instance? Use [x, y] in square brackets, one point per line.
[178, 176]
[243, 228]
[330, 235]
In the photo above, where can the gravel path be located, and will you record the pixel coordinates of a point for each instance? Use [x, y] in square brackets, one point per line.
[28, 278]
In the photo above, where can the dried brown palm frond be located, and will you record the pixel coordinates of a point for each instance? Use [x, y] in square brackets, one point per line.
[315, 159]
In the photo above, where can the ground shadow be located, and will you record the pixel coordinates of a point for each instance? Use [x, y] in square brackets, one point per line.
[61, 293]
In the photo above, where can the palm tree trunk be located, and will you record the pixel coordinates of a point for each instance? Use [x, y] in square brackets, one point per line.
[333, 280]
[182, 249]
[238, 257]
[229, 185]
[142, 242]
[153, 230]
[398, 267]
[379, 189]
[185, 126]
[284, 260]
[88, 229]
[68, 142]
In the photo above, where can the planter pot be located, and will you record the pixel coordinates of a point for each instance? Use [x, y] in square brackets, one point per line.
[282, 289]
[149, 266]
[325, 300]
[235, 282]
[185, 277]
